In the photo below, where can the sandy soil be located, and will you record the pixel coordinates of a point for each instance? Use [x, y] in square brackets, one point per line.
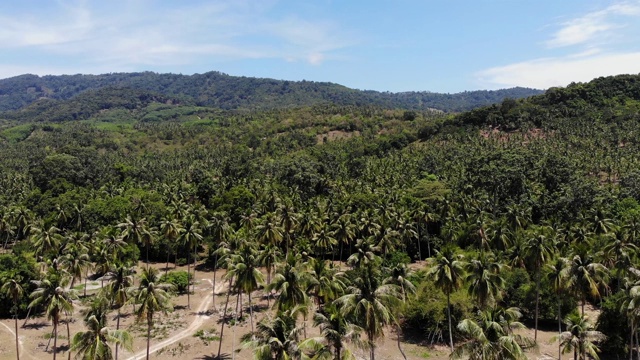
[173, 336]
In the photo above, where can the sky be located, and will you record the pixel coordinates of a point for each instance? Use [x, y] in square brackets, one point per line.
[384, 45]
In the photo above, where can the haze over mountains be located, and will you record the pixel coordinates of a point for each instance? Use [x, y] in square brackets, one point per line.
[215, 89]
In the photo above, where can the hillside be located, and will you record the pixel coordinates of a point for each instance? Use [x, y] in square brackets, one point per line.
[334, 201]
[231, 92]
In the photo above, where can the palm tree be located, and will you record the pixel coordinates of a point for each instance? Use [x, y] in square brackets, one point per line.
[325, 282]
[93, 344]
[75, 261]
[244, 267]
[335, 330]
[323, 241]
[585, 276]
[45, 240]
[447, 273]
[191, 237]
[491, 336]
[580, 338]
[400, 277]
[369, 304]
[12, 288]
[57, 301]
[152, 296]
[171, 230]
[558, 275]
[137, 231]
[538, 250]
[290, 283]
[117, 291]
[364, 255]
[485, 282]
[275, 338]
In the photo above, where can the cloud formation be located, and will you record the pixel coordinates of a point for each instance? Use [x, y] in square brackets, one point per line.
[594, 45]
[121, 35]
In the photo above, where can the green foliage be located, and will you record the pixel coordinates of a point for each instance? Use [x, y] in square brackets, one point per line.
[179, 279]
[23, 269]
[426, 313]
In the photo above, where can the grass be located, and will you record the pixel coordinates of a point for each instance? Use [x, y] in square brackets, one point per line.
[17, 133]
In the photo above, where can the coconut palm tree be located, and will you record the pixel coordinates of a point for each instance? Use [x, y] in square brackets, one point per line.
[290, 282]
[335, 332]
[400, 277]
[136, 231]
[325, 283]
[485, 282]
[447, 272]
[171, 229]
[57, 301]
[118, 291]
[12, 289]
[585, 276]
[93, 344]
[244, 267]
[275, 338]
[558, 276]
[491, 336]
[369, 303]
[538, 249]
[152, 296]
[191, 237]
[580, 338]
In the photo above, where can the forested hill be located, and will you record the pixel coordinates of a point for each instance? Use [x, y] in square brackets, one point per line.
[231, 92]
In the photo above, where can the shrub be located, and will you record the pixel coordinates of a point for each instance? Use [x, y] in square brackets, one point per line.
[179, 279]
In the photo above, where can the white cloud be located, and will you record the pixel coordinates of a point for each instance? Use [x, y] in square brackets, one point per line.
[129, 34]
[593, 25]
[548, 72]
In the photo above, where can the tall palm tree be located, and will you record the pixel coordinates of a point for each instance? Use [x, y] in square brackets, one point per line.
[117, 291]
[484, 279]
[244, 267]
[93, 344]
[51, 293]
[400, 277]
[558, 276]
[335, 331]
[585, 276]
[136, 231]
[369, 304]
[75, 261]
[325, 283]
[580, 338]
[152, 296]
[491, 336]
[191, 237]
[171, 229]
[12, 288]
[447, 272]
[275, 338]
[290, 282]
[538, 250]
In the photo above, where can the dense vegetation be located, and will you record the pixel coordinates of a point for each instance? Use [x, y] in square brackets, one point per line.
[214, 89]
[525, 212]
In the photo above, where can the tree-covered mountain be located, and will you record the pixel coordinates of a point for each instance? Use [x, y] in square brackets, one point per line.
[231, 92]
[532, 205]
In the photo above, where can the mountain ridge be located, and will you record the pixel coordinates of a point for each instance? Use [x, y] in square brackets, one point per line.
[216, 89]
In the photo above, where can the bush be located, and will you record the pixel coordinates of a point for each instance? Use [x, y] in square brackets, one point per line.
[426, 313]
[179, 279]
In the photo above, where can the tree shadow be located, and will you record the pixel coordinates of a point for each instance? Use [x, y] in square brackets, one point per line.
[35, 325]
[215, 357]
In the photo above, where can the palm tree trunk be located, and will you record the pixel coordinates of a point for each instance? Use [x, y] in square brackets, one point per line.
[68, 338]
[449, 318]
[398, 338]
[250, 312]
[166, 267]
[17, 341]
[341, 248]
[27, 318]
[188, 278]
[584, 300]
[149, 324]
[147, 256]
[195, 260]
[55, 339]
[215, 267]
[86, 275]
[559, 328]
[117, 328]
[535, 334]
[224, 316]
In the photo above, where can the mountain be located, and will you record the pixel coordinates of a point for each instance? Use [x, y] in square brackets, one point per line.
[215, 89]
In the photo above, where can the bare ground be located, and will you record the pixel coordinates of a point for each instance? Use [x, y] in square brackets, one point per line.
[173, 334]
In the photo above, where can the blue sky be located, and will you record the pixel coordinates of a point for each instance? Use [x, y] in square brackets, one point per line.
[399, 45]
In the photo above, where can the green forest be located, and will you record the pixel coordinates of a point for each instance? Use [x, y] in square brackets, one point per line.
[362, 219]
